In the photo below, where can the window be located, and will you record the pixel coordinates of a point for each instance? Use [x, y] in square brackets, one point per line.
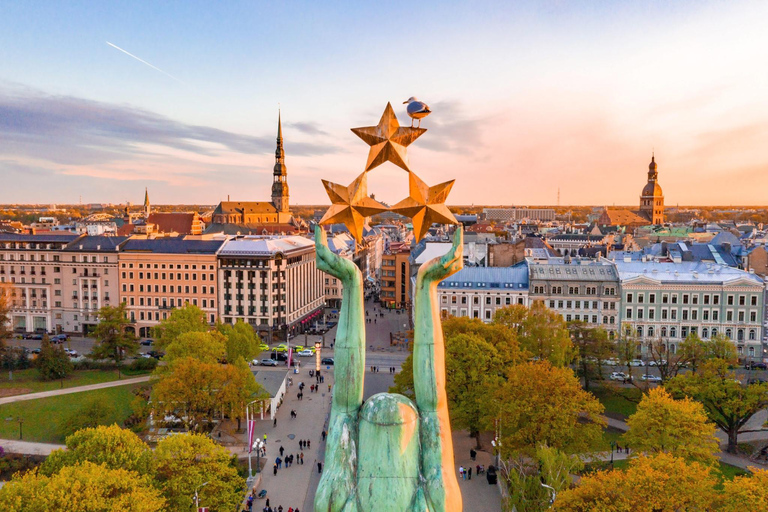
[752, 316]
[685, 314]
[715, 315]
[730, 300]
[729, 316]
[652, 298]
[694, 314]
[715, 300]
[685, 298]
[639, 313]
[664, 314]
[629, 313]
[705, 333]
[706, 299]
[673, 314]
[694, 299]
[640, 298]
[651, 314]
[629, 298]
[674, 298]
[705, 315]
[753, 300]
[664, 298]
[751, 335]
[742, 300]
[741, 316]
[673, 332]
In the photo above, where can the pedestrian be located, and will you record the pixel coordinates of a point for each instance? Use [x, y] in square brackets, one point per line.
[274, 469]
[472, 454]
[324, 434]
[265, 438]
[301, 458]
[626, 449]
[280, 508]
[308, 444]
[461, 472]
[274, 424]
[281, 450]
[319, 467]
[329, 388]
[267, 503]
[279, 462]
[301, 444]
[469, 473]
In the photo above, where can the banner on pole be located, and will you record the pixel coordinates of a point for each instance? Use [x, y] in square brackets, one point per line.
[251, 429]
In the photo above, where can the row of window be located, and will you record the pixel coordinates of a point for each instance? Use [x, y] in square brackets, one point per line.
[706, 332]
[56, 257]
[169, 266]
[210, 290]
[476, 300]
[577, 304]
[687, 298]
[169, 276]
[573, 290]
[693, 314]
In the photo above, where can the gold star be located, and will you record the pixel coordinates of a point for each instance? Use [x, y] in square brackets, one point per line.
[351, 205]
[388, 140]
[425, 205]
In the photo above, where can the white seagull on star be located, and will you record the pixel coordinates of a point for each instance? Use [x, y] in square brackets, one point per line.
[417, 109]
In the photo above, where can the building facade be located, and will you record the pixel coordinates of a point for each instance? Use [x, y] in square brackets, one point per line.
[579, 289]
[163, 273]
[652, 198]
[271, 283]
[395, 291]
[478, 292]
[515, 214]
[669, 301]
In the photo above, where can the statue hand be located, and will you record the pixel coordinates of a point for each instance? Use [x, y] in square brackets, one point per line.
[340, 268]
[438, 269]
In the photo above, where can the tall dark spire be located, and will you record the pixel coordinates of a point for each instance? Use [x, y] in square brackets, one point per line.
[279, 152]
[280, 174]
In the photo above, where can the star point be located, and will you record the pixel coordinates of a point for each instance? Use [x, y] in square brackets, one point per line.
[425, 205]
[388, 140]
[351, 205]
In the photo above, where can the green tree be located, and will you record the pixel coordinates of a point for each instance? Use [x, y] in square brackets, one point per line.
[728, 403]
[86, 487]
[241, 340]
[541, 403]
[627, 348]
[190, 318]
[113, 447]
[238, 387]
[5, 314]
[52, 362]
[499, 335]
[91, 414]
[114, 341]
[678, 427]
[669, 364]
[542, 332]
[184, 462]
[208, 347]
[592, 346]
[188, 389]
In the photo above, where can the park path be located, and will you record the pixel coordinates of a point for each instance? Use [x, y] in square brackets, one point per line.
[28, 448]
[78, 389]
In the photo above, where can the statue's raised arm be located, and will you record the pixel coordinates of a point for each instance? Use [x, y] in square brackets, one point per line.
[442, 486]
[338, 481]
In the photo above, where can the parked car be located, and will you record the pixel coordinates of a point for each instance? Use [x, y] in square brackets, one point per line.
[327, 360]
[636, 362]
[155, 354]
[611, 362]
[32, 336]
[651, 378]
[756, 366]
[263, 347]
[657, 363]
[58, 338]
[147, 342]
[281, 348]
[279, 356]
[305, 353]
[268, 362]
[619, 376]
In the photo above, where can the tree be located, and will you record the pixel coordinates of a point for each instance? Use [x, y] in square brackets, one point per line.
[114, 340]
[113, 447]
[540, 403]
[5, 314]
[627, 348]
[542, 332]
[95, 412]
[696, 351]
[669, 364]
[658, 483]
[745, 493]
[241, 341]
[86, 487]
[727, 402]
[186, 461]
[208, 347]
[677, 427]
[52, 362]
[190, 318]
[237, 389]
[592, 346]
[499, 335]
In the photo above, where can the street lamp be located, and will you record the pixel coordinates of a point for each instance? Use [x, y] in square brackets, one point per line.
[318, 346]
[21, 424]
[552, 490]
[197, 498]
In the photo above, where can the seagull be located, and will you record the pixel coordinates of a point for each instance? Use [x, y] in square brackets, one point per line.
[417, 109]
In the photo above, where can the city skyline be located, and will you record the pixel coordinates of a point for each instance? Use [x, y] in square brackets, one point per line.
[537, 97]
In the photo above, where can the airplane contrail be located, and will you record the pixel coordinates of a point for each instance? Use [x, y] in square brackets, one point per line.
[147, 63]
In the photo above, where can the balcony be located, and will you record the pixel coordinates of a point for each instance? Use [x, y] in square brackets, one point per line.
[89, 274]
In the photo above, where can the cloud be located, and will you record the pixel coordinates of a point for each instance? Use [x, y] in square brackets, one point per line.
[74, 131]
[452, 129]
[308, 128]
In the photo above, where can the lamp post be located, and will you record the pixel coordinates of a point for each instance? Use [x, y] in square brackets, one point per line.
[318, 346]
[197, 498]
[21, 425]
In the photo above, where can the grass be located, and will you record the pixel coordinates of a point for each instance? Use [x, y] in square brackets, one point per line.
[43, 416]
[28, 381]
[615, 402]
[725, 471]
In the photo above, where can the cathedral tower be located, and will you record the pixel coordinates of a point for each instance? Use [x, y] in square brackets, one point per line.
[652, 199]
[146, 203]
[280, 175]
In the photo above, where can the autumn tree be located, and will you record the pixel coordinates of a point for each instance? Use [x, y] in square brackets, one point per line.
[241, 341]
[541, 332]
[500, 336]
[52, 362]
[113, 447]
[694, 351]
[114, 340]
[184, 462]
[592, 346]
[678, 427]
[207, 347]
[627, 348]
[238, 388]
[190, 318]
[668, 363]
[89, 414]
[5, 314]
[728, 403]
[540, 403]
[749, 492]
[658, 483]
[86, 487]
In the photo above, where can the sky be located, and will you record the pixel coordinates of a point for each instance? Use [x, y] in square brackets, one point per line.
[527, 98]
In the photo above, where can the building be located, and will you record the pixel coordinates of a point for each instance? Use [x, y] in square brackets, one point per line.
[478, 292]
[158, 274]
[395, 291]
[583, 290]
[504, 215]
[180, 223]
[31, 266]
[670, 300]
[652, 198]
[271, 283]
[251, 214]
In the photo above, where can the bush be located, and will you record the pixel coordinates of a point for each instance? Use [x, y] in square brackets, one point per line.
[90, 415]
[52, 362]
[141, 365]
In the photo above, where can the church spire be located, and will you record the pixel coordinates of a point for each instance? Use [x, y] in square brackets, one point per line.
[280, 174]
[146, 202]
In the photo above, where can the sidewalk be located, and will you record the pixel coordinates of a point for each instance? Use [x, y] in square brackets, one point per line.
[27, 448]
[79, 389]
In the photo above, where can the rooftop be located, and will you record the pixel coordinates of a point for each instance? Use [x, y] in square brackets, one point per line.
[172, 245]
[683, 272]
[270, 380]
[575, 269]
[264, 245]
[96, 243]
[489, 277]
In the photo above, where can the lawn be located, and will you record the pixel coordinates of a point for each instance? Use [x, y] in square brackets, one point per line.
[615, 404]
[43, 416]
[28, 381]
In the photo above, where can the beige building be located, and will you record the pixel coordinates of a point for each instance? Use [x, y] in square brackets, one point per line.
[158, 274]
[271, 283]
[396, 279]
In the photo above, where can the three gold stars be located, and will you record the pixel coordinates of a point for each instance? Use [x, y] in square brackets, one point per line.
[388, 140]
[351, 205]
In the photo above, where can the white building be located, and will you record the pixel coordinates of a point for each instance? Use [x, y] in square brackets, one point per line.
[478, 292]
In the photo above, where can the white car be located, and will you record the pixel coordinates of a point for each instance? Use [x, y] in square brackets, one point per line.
[636, 362]
[268, 362]
[611, 362]
[651, 378]
[305, 353]
[657, 363]
[619, 376]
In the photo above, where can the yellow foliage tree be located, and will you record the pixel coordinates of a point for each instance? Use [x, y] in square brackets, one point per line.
[745, 493]
[678, 427]
[540, 331]
[85, 487]
[208, 347]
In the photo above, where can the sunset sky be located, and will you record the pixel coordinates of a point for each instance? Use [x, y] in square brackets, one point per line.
[526, 97]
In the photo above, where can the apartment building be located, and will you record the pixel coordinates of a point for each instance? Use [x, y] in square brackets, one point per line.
[478, 292]
[395, 291]
[271, 283]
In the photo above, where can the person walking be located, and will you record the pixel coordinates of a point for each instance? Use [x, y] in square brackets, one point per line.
[301, 457]
[324, 434]
[319, 467]
[461, 472]
[281, 450]
[267, 503]
[274, 469]
[472, 454]
[469, 473]
[308, 443]
[274, 423]
[279, 462]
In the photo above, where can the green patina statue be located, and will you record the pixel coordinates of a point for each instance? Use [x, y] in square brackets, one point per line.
[389, 454]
